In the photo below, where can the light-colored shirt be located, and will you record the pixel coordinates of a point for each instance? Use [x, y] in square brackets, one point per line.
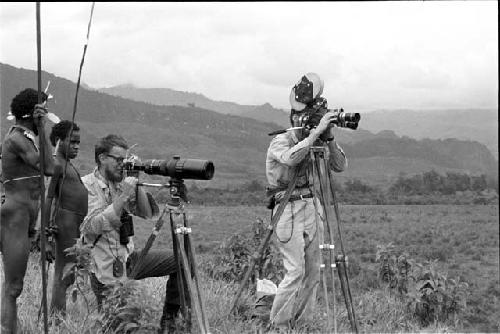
[97, 230]
[286, 152]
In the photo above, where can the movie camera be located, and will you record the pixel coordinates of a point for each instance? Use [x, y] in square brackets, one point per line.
[310, 116]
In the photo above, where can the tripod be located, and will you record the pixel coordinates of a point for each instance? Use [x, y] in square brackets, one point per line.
[330, 261]
[324, 192]
[188, 279]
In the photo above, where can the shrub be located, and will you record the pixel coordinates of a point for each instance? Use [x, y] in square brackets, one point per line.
[429, 294]
[393, 269]
[233, 256]
[434, 297]
[124, 309]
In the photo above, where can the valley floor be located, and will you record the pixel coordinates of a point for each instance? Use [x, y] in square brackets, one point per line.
[463, 239]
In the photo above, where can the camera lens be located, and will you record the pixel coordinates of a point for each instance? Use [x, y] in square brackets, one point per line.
[351, 125]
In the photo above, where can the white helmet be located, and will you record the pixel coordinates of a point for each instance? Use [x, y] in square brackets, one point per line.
[305, 91]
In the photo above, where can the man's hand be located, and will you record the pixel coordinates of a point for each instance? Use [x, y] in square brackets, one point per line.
[128, 192]
[328, 135]
[325, 121]
[50, 251]
[51, 231]
[39, 114]
[128, 187]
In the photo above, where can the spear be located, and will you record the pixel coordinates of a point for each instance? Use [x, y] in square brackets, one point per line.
[41, 138]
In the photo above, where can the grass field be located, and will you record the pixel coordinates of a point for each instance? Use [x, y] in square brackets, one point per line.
[464, 239]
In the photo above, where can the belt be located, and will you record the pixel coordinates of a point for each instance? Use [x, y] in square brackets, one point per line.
[297, 194]
[20, 178]
[297, 197]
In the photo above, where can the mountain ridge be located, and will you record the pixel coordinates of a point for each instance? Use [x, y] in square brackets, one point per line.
[469, 124]
[236, 144]
[167, 96]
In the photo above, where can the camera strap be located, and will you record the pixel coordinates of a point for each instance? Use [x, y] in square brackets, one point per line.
[96, 240]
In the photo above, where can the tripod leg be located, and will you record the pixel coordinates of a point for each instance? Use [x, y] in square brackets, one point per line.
[327, 245]
[181, 279]
[194, 268]
[249, 270]
[193, 295]
[324, 278]
[263, 246]
[340, 260]
[149, 243]
[344, 282]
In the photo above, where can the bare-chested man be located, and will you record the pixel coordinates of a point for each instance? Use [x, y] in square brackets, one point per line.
[67, 198]
[21, 182]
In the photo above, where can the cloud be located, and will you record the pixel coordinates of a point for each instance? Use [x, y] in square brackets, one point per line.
[370, 54]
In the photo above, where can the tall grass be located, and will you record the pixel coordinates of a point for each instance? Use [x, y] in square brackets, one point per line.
[421, 230]
[377, 311]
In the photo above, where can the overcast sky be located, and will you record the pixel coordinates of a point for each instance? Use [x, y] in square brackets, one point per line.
[371, 55]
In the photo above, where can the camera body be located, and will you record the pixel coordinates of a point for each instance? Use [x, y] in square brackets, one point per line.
[177, 168]
[126, 228]
[311, 115]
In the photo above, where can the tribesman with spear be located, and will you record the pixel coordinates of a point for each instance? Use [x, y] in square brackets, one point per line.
[21, 160]
[25, 163]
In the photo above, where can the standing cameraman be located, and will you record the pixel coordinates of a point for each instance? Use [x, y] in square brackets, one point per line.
[297, 231]
[112, 199]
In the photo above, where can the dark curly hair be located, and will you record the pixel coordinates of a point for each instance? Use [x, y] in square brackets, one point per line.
[106, 144]
[23, 104]
[61, 131]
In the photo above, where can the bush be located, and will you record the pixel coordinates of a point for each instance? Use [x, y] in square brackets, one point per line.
[124, 310]
[429, 294]
[233, 256]
[434, 297]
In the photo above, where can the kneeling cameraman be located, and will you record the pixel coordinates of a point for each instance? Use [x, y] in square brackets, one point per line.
[108, 228]
[297, 231]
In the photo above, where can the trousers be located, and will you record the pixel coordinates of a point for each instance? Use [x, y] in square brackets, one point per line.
[157, 263]
[298, 234]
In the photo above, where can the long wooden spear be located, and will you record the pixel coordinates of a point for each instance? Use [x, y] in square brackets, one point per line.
[41, 142]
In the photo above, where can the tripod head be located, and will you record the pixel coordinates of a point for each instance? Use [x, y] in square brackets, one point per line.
[178, 191]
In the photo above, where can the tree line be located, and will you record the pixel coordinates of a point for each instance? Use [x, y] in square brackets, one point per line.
[425, 188]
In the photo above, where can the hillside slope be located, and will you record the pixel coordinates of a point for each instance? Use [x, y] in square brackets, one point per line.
[472, 124]
[237, 145]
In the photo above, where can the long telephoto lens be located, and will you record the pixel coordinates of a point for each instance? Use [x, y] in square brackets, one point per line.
[194, 169]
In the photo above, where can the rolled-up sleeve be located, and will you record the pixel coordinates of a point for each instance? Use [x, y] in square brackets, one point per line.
[100, 214]
[337, 160]
[291, 156]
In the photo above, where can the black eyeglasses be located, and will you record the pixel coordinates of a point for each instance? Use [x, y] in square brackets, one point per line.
[117, 159]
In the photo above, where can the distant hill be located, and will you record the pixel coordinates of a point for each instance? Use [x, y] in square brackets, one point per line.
[237, 145]
[471, 124]
[168, 97]
[474, 124]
